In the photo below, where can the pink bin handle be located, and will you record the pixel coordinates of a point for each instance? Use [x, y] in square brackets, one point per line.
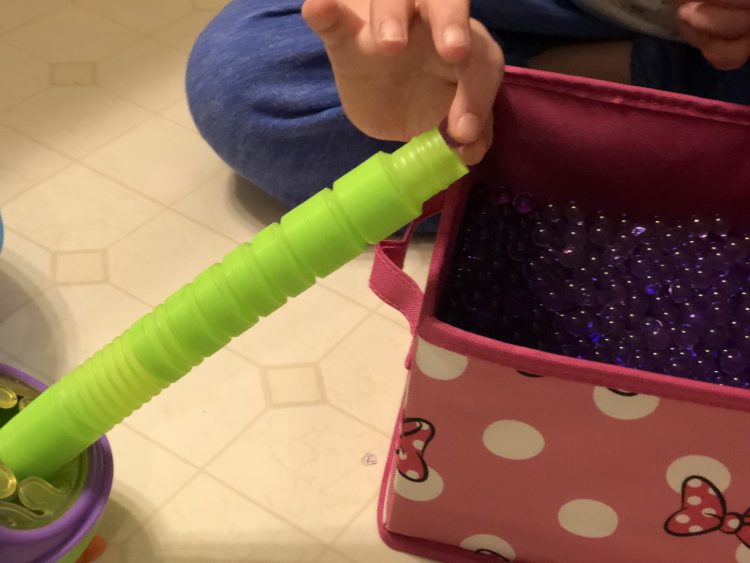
[389, 281]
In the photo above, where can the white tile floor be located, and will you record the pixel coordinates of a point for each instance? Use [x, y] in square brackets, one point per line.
[112, 201]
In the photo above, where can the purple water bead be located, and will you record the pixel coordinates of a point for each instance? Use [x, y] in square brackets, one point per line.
[632, 320]
[547, 258]
[638, 232]
[633, 339]
[623, 224]
[700, 278]
[732, 362]
[649, 360]
[576, 321]
[731, 283]
[552, 212]
[593, 262]
[584, 292]
[651, 284]
[539, 283]
[714, 337]
[622, 355]
[612, 292]
[575, 235]
[519, 250]
[719, 226]
[691, 312]
[680, 362]
[737, 328]
[636, 302]
[717, 295]
[736, 249]
[698, 227]
[602, 231]
[680, 259]
[742, 343]
[664, 269]
[742, 296]
[640, 266]
[680, 291]
[614, 254]
[500, 195]
[524, 203]
[557, 300]
[717, 260]
[669, 240]
[684, 336]
[574, 214]
[742, 312]
[517, 304]
[651, 252]
[531, 267]
[705, 364]
[641, 359]
[571, 256]
[655, 334]
[664, 310]
[695, 248]
[612, 320]
[545, 235]
[718, 313]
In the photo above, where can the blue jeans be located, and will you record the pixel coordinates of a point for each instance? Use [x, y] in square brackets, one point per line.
[262, 93]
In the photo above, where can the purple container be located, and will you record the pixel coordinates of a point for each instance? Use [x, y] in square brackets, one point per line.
[64, 536]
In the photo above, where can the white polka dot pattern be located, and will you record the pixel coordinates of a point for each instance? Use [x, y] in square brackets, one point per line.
[624, 406]
[683, 467]
[513, 439]
[490, 545]
[429, 489]
[588, 518]
[438, 363]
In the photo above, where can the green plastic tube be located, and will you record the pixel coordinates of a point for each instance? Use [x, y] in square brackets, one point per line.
[365, 205]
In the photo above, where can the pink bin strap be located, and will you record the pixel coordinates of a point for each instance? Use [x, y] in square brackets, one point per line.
[388, 279]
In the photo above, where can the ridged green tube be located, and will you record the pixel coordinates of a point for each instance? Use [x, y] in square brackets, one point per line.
[366, 205]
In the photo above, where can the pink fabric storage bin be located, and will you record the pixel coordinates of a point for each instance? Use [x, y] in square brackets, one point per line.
[508, 453]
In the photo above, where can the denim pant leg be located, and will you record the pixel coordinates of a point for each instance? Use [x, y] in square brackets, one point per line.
[262, 92]
[676, 67]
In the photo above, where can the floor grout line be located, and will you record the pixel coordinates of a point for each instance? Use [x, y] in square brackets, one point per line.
[79, 159]
[268, 510]
[194, 470]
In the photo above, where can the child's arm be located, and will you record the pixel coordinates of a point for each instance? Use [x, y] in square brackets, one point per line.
[720, 29]
[401, 66]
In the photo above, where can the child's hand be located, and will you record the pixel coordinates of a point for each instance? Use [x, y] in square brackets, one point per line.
[720, 29]
[400, 67]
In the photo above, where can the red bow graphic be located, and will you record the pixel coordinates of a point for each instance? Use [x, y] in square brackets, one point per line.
[704, 510]
[416, 433]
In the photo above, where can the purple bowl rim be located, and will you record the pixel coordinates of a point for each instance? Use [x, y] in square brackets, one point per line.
[87, 508]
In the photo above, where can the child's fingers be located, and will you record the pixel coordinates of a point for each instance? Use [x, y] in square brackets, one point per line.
[694, 37]
[389, 23]
[331, 21]
[449, 21]
[474, 152]
[724, 54]
[479, 78]
[727, 54]
[719, 20]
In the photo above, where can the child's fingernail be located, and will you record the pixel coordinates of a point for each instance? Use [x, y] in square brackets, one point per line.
[468, 127]
[454, 36]
[391, 30]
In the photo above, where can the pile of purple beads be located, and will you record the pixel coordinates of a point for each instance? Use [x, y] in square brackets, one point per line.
[666, 296]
